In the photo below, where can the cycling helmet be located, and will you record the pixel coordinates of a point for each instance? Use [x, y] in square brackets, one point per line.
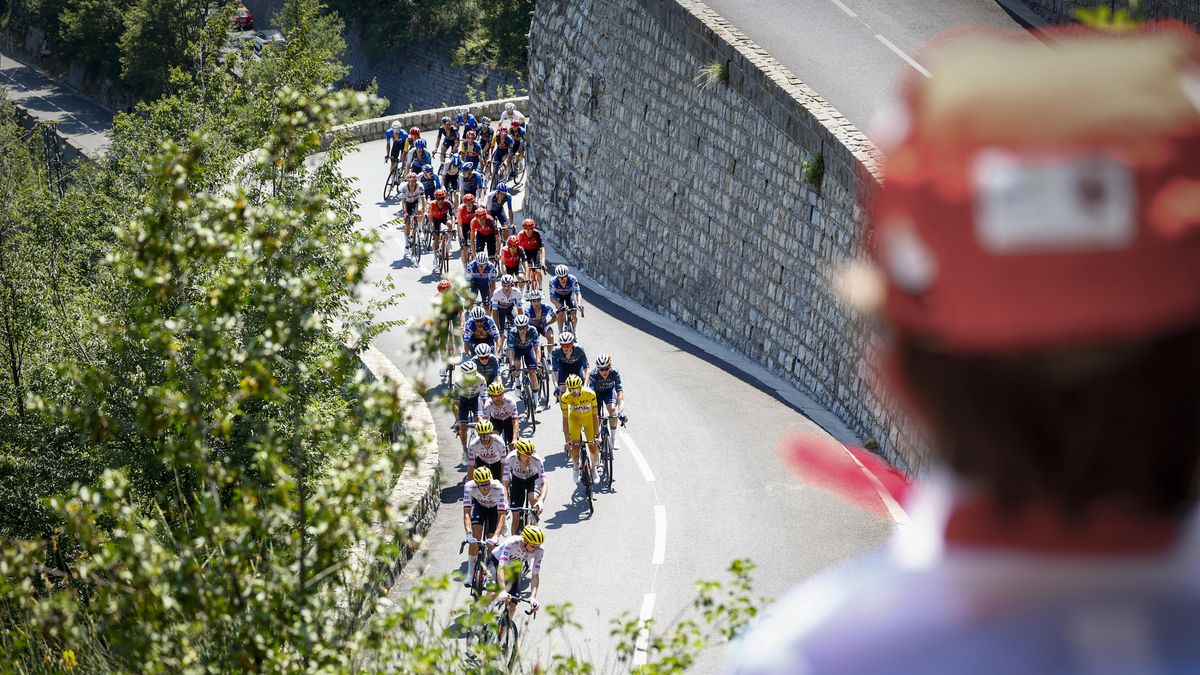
[533, 295]
[468, 367]
[516, 124]
[503, 187]
[428, 168]
[508, 280]
[521, 320]
[495, 388]
[483, 349]
[396, 124]
[455, 160]
[512, 240]
[524, 446]
[533, 535]
[484, 427]
[468, 198]
[411, 176]
[471, 134]
[566, 338]
[445, 120]
[480, 211]
[509, 106]
[420, 143]
[485, 120]
[481, 258]
[561, 271]
[604, 361]
[528, 223]
[439, 193]
[414, 132]
[469, 166]
[476, 313]
[574, 382]
[443, 285]
[482, 475]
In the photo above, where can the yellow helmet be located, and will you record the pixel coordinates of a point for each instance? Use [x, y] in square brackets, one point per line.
[482, 475]
[524, 447]
[574, 382]
[484, 427]
[495, 388]
[533, 535]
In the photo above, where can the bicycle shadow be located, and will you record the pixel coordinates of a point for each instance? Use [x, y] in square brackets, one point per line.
[555, 460]
[402, 263]
[570, 514]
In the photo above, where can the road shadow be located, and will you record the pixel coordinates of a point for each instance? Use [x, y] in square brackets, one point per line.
[555, 460]
[402, 263]
[575, 512]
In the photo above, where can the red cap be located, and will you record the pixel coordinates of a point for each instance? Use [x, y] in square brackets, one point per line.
[1039, 198]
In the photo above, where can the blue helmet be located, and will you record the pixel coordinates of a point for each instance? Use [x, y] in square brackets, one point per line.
[455, 160]
[468, 166]
[503, 187]
[428, 168]
[420, 142]
[445, 120]
[485, 120]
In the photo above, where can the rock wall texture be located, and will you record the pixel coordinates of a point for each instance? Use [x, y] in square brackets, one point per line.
[1063, 11]
[692, 199]
[415, 77]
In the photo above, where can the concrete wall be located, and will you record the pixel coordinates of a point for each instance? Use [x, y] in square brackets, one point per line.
[1063, 11]
[692, 201]
[415, 77]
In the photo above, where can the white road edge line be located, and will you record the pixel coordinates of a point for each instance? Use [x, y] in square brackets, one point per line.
[660, 534]
[643, 639]
[637, 456]
[842, 6]
[910, 60]
[897, 512]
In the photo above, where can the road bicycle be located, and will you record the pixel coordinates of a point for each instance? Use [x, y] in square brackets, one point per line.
[442, 252]
[528, 515]
[608, 445]
[533, 277]
[529, 398]
[572, 318]
[516, 169]
[391, 186]
[479, 577]
[503, 634]
[585, 469]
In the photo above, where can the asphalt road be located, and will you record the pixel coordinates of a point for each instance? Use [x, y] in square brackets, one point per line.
[851, 51]
[84, 122]
[713, 489]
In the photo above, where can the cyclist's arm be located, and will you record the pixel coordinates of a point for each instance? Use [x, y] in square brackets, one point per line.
[467, 507]
[502, 508]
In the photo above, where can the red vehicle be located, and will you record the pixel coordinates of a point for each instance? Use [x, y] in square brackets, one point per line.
[243, 19]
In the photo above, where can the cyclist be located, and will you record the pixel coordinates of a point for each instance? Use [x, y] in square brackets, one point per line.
[523, 342]
[580, 413]
[470, 149]
[500, 409]
[468, 392]
[450, 171]
[411, 195]
[540, 316]
[486, 138]
[483, 227]
[517, 133]
[565, 293]
[526, 547]
[394, 142]
[465, 121]
[502, 143]
[450, 344]
[438, 213]
[533, 252]
[510, 114]
[466, 213]
[488, 363]
[606, 382]
[505, 301]
[471, 181]
[524, 478]
[510, 258]
[568, 359]
[447, 138]
[488, 449]
[499, 204]
[418, 157]
[482, 275]
[478, 329]
[430, 183]
[483, 501]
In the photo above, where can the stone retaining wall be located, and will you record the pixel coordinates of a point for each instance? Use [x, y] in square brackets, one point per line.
[373, 129]
[693, 199]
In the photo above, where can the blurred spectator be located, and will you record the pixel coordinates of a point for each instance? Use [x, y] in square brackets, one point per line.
[1038, 254]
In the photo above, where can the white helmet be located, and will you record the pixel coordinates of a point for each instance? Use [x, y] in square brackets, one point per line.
[395, 125]
[561, 271]
[481, 257]
[533, 295]
[509, 106]
[468, 367]
[508, 280]
[476, 313]
[521, 320]
[464, 110]
[604, 361]
[566, 338]
[483, 349]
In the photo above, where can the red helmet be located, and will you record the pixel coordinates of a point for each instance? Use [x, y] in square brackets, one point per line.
[512, 240]
[470, 135]
[480, 212]
[528, 223]
[439, 193]
[516, 123]
[468, 198]
[998, 231]
[411, 176]
[443, 285]
[414, 132]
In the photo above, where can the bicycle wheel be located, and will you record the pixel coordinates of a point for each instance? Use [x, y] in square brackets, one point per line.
[607, 452]
[507, 637]
[528, 400]
[585, 476]
[479, 581]
[389, 186]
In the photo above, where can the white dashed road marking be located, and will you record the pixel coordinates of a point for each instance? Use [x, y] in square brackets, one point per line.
[638, 457]
[842, 6]
[643, 640]
[908, 59]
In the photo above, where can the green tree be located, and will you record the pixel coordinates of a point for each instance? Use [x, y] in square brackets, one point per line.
[499, 37]
[90, 32]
